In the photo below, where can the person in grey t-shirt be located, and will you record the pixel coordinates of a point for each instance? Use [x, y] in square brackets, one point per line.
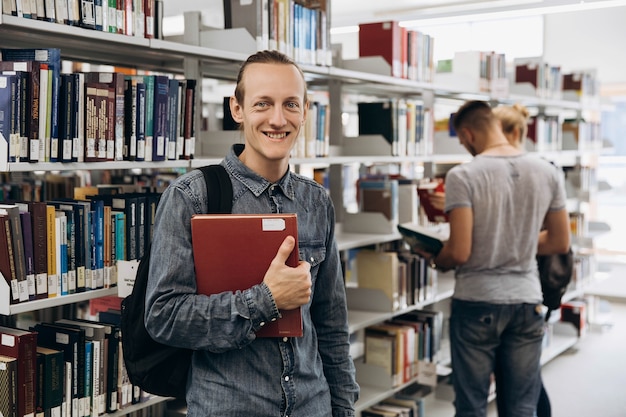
[497, 204]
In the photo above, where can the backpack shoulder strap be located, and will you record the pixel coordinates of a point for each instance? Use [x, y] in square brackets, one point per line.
[219, 188]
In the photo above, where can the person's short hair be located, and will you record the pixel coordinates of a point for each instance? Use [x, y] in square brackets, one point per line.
[476, 114]
[264, 57]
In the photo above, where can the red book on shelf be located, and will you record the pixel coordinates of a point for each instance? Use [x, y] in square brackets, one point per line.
[383, 39]
[22, 344]
[232, 252]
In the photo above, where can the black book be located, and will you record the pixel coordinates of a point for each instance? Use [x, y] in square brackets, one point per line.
[71, 341]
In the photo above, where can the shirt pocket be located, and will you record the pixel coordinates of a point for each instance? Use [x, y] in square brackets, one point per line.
[314, 252]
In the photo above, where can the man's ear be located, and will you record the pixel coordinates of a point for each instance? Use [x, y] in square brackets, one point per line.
[236, 110]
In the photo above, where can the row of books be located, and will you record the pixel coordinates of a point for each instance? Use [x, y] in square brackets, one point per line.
[93, 116]
[550, 133]
[396, 406]
[549, 81]
[406, 124]
[61, 247]
[66, 368]
[409, 53]
[402, 345]
[492, 73]
[403, 278]
[300, 29]
[128, 17]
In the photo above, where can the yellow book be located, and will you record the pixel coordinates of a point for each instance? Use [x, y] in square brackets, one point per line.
[53, 278]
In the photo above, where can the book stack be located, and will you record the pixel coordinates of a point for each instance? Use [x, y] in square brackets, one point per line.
[409, 53]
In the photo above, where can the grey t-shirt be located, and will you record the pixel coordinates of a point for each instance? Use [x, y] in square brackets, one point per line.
[510, 197]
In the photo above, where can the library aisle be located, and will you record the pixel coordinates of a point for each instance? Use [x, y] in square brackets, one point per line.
[589, 379]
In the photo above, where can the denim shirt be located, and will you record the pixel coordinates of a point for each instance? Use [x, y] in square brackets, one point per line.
[233, 373]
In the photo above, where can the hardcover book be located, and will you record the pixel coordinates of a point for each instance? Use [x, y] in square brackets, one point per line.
[22, 344]
[51, 57]
[429, 239]
[424, 191]
[218, 238]
[8, 386]
[49, 395]
[383, 39]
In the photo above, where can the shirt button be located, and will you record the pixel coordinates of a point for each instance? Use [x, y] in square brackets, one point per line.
[286, 378]
[285, 339]
[312, 259]
[262, 324]
[273, 318]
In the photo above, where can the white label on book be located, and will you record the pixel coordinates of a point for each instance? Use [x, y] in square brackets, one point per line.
[62, 338]
[7, 340]
[41, 55]
[273, 225]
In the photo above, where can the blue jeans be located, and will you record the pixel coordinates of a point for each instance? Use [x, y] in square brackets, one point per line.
[486, 336]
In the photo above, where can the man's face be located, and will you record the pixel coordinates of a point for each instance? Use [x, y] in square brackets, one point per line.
[273, 111]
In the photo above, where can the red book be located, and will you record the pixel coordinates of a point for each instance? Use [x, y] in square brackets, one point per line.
[424, 191]
[22, 344]
[383, 39]
[218, 239]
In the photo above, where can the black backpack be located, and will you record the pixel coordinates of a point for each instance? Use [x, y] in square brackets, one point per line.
[555, 273]
[156, 368]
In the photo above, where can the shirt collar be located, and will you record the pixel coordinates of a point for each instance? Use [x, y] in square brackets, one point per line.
[250, 179]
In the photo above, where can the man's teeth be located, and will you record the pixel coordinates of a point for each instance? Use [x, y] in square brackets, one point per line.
[276, 135]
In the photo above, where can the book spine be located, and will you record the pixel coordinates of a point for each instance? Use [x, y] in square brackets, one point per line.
[140, 126]
[8, 386]
[53, 279]
[161, 92]
[8, 269]
[91, 122]
[149, 81]
[189, 120]
[172, 120]
[110, 123]
[78, 148]
[40, 248]
[27, 233]
[130, 117]
[102, 94]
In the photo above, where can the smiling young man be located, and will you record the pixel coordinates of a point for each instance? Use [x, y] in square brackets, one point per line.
[233, 372]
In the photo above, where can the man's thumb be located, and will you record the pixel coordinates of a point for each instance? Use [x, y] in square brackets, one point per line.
[285, 250]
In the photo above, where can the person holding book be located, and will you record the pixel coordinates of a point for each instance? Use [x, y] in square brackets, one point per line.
[497, 205]
[234, 372]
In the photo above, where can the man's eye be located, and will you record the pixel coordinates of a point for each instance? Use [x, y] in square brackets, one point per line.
[292, 105]
[262, 104]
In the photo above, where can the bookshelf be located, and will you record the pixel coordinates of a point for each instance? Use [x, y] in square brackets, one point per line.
[205, 59]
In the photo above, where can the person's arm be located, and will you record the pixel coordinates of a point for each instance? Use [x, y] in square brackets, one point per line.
[175, 314]
[555, 237]
[329, 315]
[456, 251]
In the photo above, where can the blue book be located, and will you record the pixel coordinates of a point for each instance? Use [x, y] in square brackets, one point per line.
[88, 376]
[62, 263]
[8, 86]
[98, 239]
[161, 93]
[52, 57]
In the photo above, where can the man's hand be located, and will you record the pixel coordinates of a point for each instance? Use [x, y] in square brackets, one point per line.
[290, 287]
